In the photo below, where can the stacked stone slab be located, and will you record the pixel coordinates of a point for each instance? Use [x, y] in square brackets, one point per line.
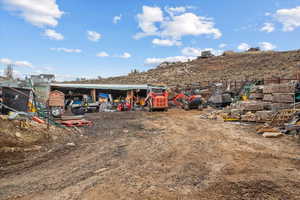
[256, 93]
[279, 96]
[264, 102]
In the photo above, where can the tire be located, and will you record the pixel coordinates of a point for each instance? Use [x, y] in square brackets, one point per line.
[186, 107]
[200, 107]
[78, 111]
[150, 108]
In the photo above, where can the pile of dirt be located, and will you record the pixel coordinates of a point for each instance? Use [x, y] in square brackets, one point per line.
[233, 66]
[19, 136]
[20, 133]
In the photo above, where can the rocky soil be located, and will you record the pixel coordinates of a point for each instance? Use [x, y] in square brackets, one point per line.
[168, 155]
[234, 66]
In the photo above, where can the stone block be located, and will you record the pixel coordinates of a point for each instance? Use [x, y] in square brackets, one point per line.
[279, 88]
[283, 97]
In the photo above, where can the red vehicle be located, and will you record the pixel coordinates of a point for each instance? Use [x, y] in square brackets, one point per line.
[157, 99]
[124, 106]
[188, 102]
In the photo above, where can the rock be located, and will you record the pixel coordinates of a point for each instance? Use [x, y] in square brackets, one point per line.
[71, 144]
[100, 170]
[272, 134]
[18, 134]
[264, 116]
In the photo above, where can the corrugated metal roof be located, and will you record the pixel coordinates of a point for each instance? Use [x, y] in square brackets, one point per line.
[104, 86]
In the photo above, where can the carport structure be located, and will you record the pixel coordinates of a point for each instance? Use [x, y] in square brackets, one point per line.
[94, 90]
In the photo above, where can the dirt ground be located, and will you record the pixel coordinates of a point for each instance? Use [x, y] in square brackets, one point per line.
[169, 155]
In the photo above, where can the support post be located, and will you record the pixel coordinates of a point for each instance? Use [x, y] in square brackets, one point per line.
[93, 94]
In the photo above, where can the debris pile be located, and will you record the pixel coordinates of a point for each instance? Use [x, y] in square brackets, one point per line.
[23, 134]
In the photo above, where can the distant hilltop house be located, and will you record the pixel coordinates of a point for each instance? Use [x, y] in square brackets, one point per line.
[206, 54]
[43, 78]
[253, 49]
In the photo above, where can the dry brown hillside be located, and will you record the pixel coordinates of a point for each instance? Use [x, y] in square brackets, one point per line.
[233, 66]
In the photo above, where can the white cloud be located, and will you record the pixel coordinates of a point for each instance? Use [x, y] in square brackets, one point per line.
[102, 54]
[23, 64]
[268, 27]
[125, 55]
[176, 25]
[266, 46]
[66, 50]
[52, 34]
[6, 61]
[168, 43]
[268, 14]
[190, 51]
[147, 20]
[94, 36]
[290, 18]
[116, 19]
[156, 61]
[37, 12]
[189, 24]
[243, 47]
[223, 45]
[175, 10]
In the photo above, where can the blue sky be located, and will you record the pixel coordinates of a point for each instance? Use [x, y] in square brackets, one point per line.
[80, 38]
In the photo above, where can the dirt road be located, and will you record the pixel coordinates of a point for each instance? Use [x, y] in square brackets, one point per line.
[174, 155]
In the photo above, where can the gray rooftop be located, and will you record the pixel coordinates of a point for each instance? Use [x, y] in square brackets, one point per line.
[104, 86]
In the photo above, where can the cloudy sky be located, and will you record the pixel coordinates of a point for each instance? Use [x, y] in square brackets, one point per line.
[80, 38]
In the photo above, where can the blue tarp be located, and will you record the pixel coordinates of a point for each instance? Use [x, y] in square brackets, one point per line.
[102, 95]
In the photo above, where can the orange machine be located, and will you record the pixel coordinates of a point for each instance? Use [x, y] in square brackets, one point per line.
[188, 102]
[157, 99]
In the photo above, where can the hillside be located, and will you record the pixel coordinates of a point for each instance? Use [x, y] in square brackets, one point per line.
[231, 66]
